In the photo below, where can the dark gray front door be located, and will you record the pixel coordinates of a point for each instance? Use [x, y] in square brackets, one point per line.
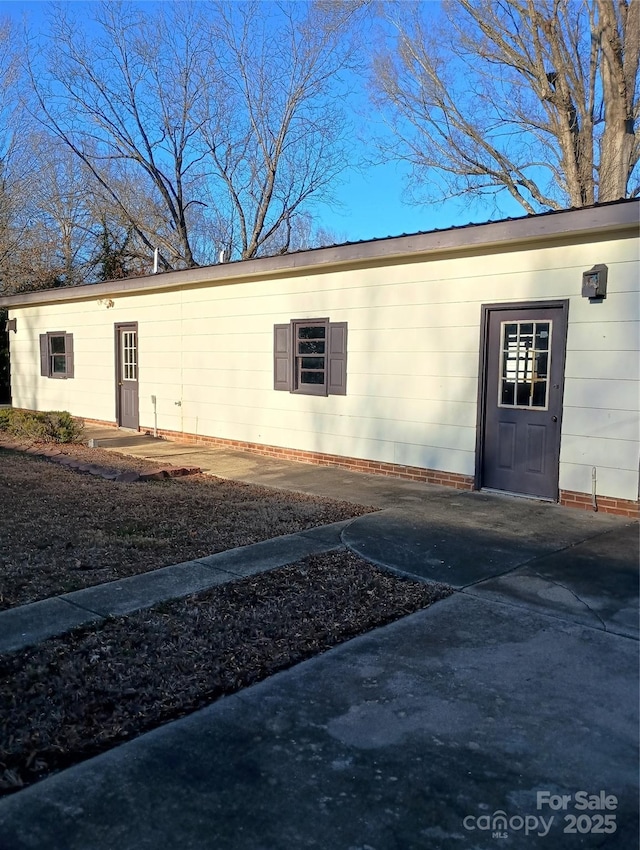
[127, 406]
[523, 388]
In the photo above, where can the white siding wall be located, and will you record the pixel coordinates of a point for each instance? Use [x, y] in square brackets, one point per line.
[412, 366]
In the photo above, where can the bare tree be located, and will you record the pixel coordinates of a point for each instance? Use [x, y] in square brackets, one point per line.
[124, 100]
[533, 97]
[28, 247]
[301, 234]
[46, 239]
[15, 167]
[62, 210]
[274, 122]
[205, 126]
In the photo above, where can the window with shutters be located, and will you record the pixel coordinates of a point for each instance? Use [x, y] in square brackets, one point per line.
[310, 357]
[56, 354]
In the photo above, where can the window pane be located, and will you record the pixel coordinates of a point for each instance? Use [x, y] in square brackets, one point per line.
[524, 391]
[542, 360]
[312, 362]
[312, 377]
[539, 394]
[58, 364]
[509, 365]
[56, 345]
[542, 336]
[508, 393]
[316, 347]
[311, 332]
[510, 332]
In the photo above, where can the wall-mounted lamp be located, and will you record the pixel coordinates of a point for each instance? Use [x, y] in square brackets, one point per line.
[594, 282]
[12, 325]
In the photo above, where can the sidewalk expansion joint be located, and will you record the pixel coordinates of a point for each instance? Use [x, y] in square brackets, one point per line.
[547, 614]
[79, 606]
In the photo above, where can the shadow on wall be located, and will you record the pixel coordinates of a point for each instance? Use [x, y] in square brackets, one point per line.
[5, 367]
[24, 375]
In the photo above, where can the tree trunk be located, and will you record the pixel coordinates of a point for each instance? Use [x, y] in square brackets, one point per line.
[619, 69]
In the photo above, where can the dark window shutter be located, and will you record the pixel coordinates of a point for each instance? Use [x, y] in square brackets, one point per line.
[44, 355]
[68, 348]
[282, 357]
[337, 381]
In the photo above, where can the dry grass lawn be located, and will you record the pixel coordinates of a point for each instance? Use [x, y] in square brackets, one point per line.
[62, 530]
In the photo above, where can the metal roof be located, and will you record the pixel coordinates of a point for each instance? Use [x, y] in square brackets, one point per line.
[469, 225]
[548, 227]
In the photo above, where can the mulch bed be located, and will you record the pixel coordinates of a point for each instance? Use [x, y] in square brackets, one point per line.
[74, 696]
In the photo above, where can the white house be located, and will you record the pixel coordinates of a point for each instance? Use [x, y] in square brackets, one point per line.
[501, 355]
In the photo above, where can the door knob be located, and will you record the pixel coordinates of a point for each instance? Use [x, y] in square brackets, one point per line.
[554, 418]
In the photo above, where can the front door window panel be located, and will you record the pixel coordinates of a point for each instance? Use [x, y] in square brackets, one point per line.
[129, 356]
[525, 361]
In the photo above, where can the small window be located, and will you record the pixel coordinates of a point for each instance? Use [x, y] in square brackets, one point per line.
[56, 354]
[310, 357]
[524, 376]
[129, 356]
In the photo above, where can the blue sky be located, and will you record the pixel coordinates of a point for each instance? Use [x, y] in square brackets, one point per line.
[370, 201]
[372, 207]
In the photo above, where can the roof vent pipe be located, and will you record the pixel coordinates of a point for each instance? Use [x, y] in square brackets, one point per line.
[155, 260]
[221, 259]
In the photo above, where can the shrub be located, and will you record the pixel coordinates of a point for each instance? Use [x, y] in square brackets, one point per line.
[55, 426]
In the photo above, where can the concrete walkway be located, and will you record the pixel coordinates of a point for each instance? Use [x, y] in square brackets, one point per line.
[510, 707]
[29, 624]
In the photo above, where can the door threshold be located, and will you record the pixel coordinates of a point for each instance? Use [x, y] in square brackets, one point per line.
[518, 495]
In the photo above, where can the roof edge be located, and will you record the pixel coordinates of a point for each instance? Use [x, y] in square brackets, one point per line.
[615, 216]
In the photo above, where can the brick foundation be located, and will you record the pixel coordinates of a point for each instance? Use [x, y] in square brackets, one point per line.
[100, 423]
[606, 504]
[411, 473]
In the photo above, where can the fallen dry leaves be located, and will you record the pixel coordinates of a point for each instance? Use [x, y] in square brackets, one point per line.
[78, 694]
[62, 530]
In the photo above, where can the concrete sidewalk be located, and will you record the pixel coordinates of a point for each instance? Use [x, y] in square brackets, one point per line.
[415, 736]
[28, 624]
[499, 710]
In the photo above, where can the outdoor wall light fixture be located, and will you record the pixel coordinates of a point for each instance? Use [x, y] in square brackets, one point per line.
[12, 325]
[594, 282]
